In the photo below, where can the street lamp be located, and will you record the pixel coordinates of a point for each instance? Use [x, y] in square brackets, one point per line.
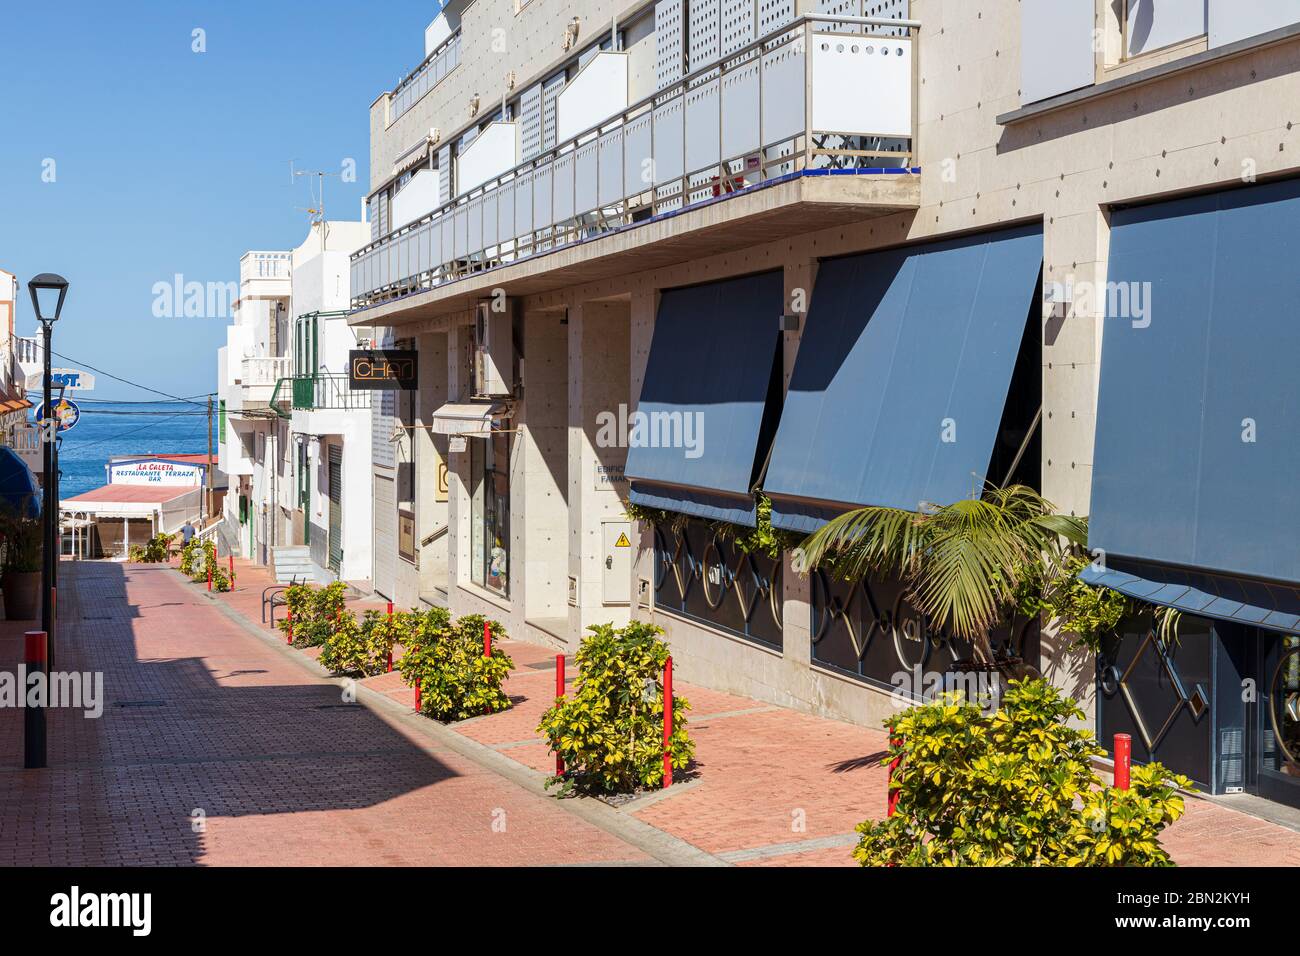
[48, 292]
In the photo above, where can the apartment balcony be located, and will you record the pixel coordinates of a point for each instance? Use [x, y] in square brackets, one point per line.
[808, 127]
[29, 359]
[322, 404]
[258, 380]
[265, 265]
[425, 77]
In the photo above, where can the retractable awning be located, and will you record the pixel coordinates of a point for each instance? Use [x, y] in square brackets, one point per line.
[467, 419]
[902, 376]
[1198, 416]
[710, 399]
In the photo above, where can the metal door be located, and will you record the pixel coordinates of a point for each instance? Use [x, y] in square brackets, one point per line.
[336, 507]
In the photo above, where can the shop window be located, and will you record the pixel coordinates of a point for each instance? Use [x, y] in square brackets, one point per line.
[490, 512]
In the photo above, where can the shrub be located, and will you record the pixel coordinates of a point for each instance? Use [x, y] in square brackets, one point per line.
[446, 659]
[313, 612]
[363, 648]
[1014, 788]
[190, 555]
[610, 729]
[157, 548]
[200, 558]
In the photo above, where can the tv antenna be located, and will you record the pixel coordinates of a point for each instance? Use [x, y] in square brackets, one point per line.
[317, 209]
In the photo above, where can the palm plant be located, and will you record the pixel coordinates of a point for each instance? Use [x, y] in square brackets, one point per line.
[962, 564]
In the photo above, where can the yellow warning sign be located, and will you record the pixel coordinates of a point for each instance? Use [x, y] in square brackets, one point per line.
[622, 541]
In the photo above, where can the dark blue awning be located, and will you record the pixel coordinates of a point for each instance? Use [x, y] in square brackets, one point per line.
[708, 404]
[1200, 593]
[1198, 417]
[19, 491]
[902, 376]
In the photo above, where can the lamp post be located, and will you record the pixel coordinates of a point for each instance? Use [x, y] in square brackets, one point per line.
[48, 292]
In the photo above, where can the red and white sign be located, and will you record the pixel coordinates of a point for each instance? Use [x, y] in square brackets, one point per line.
[153, 471]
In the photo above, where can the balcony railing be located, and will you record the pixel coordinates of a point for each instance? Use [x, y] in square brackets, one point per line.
[819, 93]
[264, 371]
[425, 76]
[322, 391]
[265, 265]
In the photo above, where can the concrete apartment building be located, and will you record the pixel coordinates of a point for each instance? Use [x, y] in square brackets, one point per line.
[850, 252]
[293, 437]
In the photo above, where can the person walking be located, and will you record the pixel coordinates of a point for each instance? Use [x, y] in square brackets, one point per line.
[188, 531]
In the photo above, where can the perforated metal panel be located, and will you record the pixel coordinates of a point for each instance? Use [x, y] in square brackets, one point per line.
[774, 14]
[704, 32]
[885, 9]
[444, 174]
[738, 24]
[530, 121]
[670, 41]
[550, 90]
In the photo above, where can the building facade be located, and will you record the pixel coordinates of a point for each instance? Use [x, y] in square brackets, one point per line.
[723, 263]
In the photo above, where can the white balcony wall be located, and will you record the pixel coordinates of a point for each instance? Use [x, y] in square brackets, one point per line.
[1233, 20]
[862, 85]
[597, 93]
[1152, 24]
[492, 153]
[417, 199]
[1056, 47]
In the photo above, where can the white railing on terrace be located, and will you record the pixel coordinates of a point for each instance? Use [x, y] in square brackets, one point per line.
[265, 265]
[820, 93]
[426, 76]
[27, 351]
[264, 371]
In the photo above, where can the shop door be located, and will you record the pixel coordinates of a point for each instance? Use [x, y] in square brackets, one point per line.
[1277, 718]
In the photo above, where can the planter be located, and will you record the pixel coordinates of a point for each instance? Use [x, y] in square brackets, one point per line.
[22, 592]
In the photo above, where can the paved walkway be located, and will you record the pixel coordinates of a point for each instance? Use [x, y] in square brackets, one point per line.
[208, 711]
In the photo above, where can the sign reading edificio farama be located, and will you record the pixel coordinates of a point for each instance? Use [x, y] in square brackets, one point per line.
[390, 369]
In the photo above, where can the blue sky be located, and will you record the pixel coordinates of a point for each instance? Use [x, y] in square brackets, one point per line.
[170, 161]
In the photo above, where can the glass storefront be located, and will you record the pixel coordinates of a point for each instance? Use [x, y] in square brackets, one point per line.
[490, 512]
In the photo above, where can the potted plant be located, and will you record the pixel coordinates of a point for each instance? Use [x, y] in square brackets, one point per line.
[21, 576]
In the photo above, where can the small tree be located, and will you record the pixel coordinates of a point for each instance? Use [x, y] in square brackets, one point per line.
[446, 660]
[313, 612]
[610, 730]
[1014, 788]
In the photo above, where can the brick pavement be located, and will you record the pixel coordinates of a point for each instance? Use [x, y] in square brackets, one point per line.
[772, 787]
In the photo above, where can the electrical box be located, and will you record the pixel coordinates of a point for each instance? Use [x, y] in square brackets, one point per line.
[616, 562]
[493, 350]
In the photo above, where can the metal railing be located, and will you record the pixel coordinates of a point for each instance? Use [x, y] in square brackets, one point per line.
[425, 77]
[324, 391]
[598, 181]
[264, 371]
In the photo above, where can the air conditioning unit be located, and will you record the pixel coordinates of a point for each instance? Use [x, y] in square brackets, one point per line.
[494, 349]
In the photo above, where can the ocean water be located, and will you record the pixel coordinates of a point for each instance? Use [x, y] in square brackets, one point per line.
[127, 428]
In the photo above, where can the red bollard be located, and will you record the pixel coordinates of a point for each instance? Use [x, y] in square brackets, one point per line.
[892, 798]
[390, 608]
[418, 697]
[1123, 760]
[209, 575]
[487, 639]
[35, 659]
[289, 636]
[232, 568]
[559, 692]
[668, 722]
[390, 646]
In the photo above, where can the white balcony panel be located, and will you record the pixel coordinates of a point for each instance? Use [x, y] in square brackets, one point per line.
[704, 31]
[1056, 48]
[868, 91]
[543, 188]
[586, 177]
[436, 258]
[506, 211]
[460, 233]
[740, 111]
[703, 126]
[491, 154]
[1152, 24]
[1233, 20]
[597, 93]
[738, 24]
[530, 122]
[405, 261]
[444, 175]
[669, 141]
[474, 225]
[423, 261]
[670, 41]
[637, 161]
[610, 174]
[417, 199]
[490, 202]
[783, 92]
[447, 240]
[773, 14]
[524, 222]
[562, 184]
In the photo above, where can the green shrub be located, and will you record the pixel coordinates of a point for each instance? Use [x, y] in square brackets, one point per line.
[157, 548]
[364, 647]
[199, 559]
[446, 659]
[191, 555]
[313, 612]
[1014, 788]
[610, 729]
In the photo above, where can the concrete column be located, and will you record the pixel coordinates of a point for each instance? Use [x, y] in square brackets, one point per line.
[430, 453]
[540, 501]
[459, 345]
[800, 277]
[599, 357]
[645, 306]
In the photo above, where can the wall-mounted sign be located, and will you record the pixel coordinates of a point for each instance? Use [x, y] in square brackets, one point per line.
[382, 369]
[154, 471]
[456, 444]
[72, 378]
[609, 476]
[64, 411]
